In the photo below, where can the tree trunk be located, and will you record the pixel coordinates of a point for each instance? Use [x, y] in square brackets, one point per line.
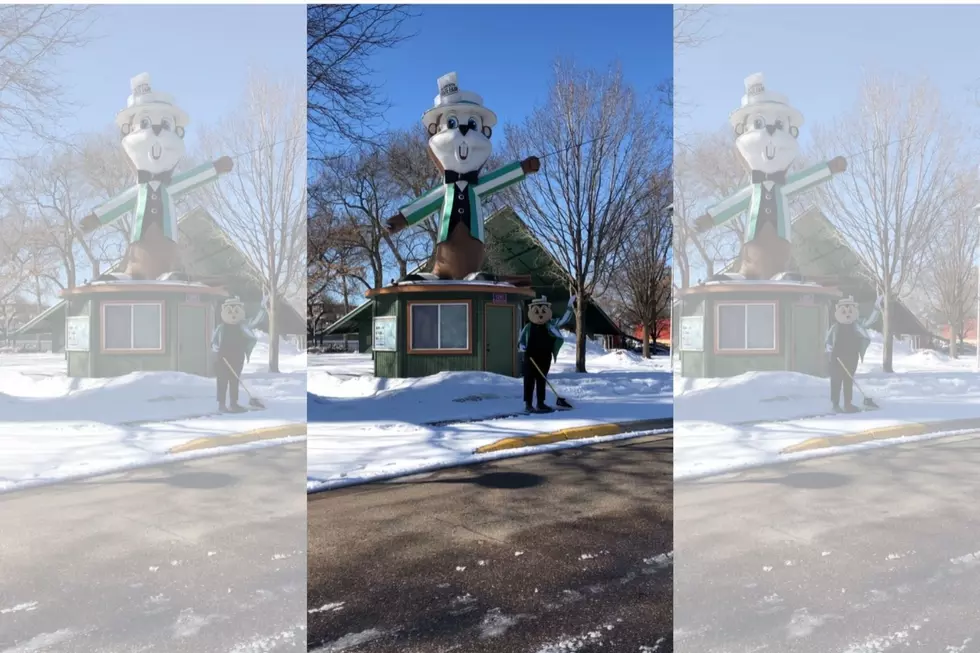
[580, 334]
[954, 340]
[886, 332]
[273, 336]
[646, 341]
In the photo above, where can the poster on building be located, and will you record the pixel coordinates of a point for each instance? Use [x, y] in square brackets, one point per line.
[692, 333]
[76, 333]
[385, 332]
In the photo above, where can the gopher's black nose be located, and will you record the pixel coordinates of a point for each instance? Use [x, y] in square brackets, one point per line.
[463, 129]
[771, 129]
[156, 129]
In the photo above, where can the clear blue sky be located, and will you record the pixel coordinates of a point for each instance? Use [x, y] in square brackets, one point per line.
[200, 54]
[816, 55]
[505, 53]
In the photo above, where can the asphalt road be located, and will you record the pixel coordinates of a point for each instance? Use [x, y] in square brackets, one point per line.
[860, 553]
[568, 552]
[196, 557]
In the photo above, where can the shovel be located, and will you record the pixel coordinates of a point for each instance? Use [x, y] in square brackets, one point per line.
[868, 401]
[559, 400]
[252, 401]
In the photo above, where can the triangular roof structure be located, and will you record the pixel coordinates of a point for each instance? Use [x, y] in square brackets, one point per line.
[208, 256]
[512, 249]
[820, 253]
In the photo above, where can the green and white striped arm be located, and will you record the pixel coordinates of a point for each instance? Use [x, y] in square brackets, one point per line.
[193, 178]
[731, 207]
[424, 206]
[500, 179]
[806, 179]
[118, 206]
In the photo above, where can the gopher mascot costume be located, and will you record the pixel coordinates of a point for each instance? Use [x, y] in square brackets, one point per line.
[459, 128]
[233, 341]
[847, 341]
[766, 130]
[152, 129]
[540, 342]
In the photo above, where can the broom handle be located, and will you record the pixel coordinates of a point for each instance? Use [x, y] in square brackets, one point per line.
[543, 376]
[853, 380]
[237, 378]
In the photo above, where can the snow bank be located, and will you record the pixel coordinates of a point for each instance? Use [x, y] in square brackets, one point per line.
[363, 428]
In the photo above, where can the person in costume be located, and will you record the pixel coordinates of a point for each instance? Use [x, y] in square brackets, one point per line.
[766, 131]
[459, 128]
[152, 128]
[847, 341]
[539, 342]
[233, 341]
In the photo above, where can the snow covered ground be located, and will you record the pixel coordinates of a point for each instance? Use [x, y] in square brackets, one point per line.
[726, 424]
[53, 427]
[362, 427]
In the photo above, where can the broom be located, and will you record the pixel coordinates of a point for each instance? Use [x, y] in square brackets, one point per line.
[252, 401]
[868, 401]
[559, 400]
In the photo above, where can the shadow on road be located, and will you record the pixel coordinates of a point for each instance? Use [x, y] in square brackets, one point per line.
[498, 480]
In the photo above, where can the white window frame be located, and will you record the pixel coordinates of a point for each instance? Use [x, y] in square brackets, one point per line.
[439, 348]
[132, 327]
[746, 349]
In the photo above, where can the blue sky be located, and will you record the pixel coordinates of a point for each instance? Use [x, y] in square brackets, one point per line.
[816, 55]
[505, 53]
[199, 54]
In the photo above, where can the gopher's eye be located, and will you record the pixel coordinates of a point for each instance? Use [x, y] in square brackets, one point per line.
[758, 123]
[452, 123]
[472, 124]
[144, 123]
[165, 125]
[779, 124]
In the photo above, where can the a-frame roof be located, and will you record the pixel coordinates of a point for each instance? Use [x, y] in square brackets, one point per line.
[821, 253]
[512, 249]
[209, 256]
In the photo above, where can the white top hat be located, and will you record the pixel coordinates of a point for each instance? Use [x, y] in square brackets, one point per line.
[847, 301]
[540, 300]
[142, 96]
[233, 301]
[451, 97]
[757, 96]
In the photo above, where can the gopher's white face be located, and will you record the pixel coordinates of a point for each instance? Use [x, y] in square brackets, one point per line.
[153, 141]
[232, 313]
[539, 313]
[846, 313]
[460, 141]
[767, 140]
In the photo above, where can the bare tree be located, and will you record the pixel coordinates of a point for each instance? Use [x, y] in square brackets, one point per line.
[32, 40]
[53, 195]
[888, 205]
[642, 282]
[950, 276]
[262, 202]
[585, 204]
[340, 41]
[691, 26]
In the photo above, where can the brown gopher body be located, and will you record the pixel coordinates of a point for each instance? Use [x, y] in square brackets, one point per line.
[152, 255]
[461, 254]
[766, 255]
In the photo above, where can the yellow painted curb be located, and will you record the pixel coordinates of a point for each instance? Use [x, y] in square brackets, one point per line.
[214, 441]
[578, 433]
[885, 433]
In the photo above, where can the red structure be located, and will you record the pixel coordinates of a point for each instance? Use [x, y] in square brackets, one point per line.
[662, 335]
[970, 332]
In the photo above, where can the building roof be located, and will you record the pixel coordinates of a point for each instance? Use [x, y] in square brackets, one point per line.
[512, 249]
[209, 256]
[821, 253]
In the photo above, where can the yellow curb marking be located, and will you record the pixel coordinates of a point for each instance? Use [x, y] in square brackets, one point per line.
[577, 433]
[884, 433]
[255, 435]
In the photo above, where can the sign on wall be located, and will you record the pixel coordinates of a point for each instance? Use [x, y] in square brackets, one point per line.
[385, 334]
[692, 333]
[77, 333]
[499, 298]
